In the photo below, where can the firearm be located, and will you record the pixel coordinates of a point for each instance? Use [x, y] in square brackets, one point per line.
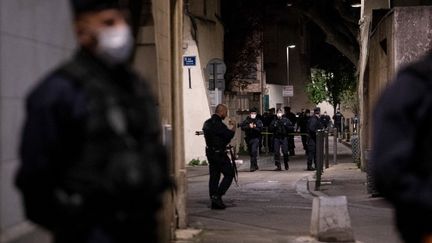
[234, 165]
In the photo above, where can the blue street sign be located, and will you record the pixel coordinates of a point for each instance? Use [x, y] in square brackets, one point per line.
[189, 61]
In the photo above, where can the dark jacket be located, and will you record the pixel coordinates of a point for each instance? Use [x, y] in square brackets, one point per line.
[216, 133]
[302, 123]
[402, 156]
[79, 124]
[314, 124]
[281, 127]
[338, 118]
[252, 133]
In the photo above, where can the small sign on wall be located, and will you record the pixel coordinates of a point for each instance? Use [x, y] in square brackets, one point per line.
[189, 61]
[288, 91]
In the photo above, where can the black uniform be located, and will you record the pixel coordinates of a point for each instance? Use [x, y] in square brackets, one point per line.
[302, 123]
[402, 155]
[90, 153]
[338, 117]
[325, 120]
[293, 119]
[313, 126]
[252, 138]
[218, 136]
[280, 127]
[267, 119]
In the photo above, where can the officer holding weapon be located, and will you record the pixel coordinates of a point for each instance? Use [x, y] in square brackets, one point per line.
[280, 127]
[252, 127]
[218, 136]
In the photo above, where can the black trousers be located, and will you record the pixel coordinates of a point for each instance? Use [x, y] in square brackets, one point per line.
[253, 144]
[304, 139]
[291, 144]
[311, 152]
[281, 144]
[219, 163]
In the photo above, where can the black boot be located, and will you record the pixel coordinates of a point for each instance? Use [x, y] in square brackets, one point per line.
[286, 165]
[278, 167]
[217, 203]
[310, 168]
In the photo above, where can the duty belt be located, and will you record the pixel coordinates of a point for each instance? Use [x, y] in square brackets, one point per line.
[216, 150]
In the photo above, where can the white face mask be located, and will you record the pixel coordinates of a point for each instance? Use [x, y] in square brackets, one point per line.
[253, 116]
[279, 115]
[114, 44]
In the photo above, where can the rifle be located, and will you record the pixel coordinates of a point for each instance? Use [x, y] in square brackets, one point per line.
[234, 165]
[232, 157]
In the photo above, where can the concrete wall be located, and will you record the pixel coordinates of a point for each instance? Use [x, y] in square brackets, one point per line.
[407, 33]
[206, 43]
[365, 31]
[275, 95]
[32, 42]
[278, 34]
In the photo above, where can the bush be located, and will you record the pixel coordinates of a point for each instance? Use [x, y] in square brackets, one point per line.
[197, 162]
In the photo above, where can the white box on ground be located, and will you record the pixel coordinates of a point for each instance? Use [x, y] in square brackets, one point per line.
[330, 219]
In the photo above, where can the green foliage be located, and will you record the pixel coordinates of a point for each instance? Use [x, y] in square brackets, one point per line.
[333, 84]
[197, 162]
[317, 90]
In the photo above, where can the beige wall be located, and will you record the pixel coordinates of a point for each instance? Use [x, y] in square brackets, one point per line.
[365, 30]
[32, 42]
[206, 43]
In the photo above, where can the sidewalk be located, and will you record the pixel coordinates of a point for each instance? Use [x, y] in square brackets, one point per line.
[371, 218]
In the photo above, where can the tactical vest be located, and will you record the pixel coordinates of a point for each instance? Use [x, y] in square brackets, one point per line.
[123, 165]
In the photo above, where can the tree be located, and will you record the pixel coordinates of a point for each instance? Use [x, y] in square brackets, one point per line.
[331, 86]
[317, 88]
[243, 40]
[350, 99]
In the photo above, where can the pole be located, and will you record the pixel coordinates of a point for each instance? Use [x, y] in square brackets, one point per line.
[319, 158]
[190, 78]
[288, 73]
[335, 135]
[326, 144]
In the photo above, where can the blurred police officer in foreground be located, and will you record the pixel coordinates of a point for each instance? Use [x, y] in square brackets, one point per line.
[280, 127]
[402, 152]
[218, 136]
[252, 126]
[313, 126]
[93, 169]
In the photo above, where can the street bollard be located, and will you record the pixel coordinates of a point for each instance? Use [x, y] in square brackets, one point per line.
[319, 158]
[326, 147]
[335, 137]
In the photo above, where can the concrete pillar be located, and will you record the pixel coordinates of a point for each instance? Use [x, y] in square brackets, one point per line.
[330, 220]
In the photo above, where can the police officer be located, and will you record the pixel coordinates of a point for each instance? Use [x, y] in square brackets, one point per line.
[293, 119]
[217, 137]
[302, 123]
[338, 118]
[252, 127]
[93, 168]
[325, 120]
[280, 127]
[313, 126]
